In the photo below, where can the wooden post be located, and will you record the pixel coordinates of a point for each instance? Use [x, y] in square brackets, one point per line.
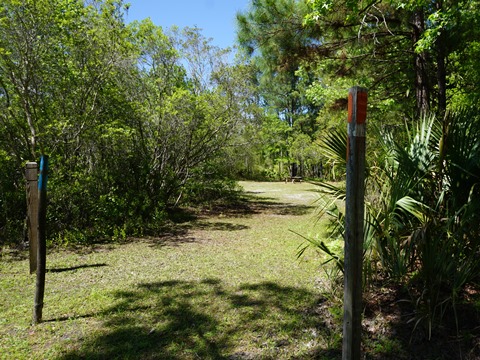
[31, 174]
[42, 244]
[354, 217]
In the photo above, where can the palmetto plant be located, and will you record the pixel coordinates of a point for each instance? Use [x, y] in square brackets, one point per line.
[422, 209]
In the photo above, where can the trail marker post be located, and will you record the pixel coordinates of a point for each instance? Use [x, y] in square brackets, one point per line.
[354, 217]
[42, 244]
[31, 175]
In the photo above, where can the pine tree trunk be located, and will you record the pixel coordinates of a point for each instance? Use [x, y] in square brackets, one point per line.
[421, 75]
[441, 70]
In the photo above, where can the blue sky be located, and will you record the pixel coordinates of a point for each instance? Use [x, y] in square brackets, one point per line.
[216, 18]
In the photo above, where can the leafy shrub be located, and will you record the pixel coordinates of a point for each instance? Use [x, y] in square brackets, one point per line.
[422, 211]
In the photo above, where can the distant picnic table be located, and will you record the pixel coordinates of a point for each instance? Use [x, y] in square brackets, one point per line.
[293, 179]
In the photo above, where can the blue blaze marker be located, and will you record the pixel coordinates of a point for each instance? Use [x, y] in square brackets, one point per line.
[42, 180]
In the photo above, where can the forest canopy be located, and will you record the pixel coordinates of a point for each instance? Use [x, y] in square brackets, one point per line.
[135, 119]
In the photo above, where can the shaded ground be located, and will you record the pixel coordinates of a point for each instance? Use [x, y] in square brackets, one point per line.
[392, 332]
[179, 322]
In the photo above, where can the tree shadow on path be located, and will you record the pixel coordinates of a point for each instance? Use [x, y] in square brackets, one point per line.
[251, 204]
[183, 221]
[205, 320]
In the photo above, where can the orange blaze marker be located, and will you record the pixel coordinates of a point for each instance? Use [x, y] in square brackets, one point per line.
[357, 109]
[350, 107]
[361, 107]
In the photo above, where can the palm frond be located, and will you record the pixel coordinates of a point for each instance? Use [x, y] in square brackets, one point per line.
[334, 145]
[413, 207]
[332, 256]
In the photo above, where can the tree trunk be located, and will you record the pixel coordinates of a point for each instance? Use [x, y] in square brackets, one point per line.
[421, 75]
[441, 69]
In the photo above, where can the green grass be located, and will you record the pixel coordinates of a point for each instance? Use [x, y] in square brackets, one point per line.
[224, 285]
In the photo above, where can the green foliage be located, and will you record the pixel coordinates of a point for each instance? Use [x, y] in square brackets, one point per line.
[422, 211]
[272, 35]
[370, 42]
[129, 116]
[12, 191]
[415, 57]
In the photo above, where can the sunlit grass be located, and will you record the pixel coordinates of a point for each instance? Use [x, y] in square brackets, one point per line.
[220, 286]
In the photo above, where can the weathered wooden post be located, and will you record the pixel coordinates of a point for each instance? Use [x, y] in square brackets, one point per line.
[31, 175]
[42, 244]
[354, 217]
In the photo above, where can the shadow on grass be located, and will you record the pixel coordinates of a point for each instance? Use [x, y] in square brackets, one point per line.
[183, 221]
[246, 205]
[14, 252]
[69, 318]
[73, 268]
[205, 320]
[250, 205]
[219, 226]
[177, 235]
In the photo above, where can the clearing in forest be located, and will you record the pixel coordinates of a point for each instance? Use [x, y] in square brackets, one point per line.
[223, 284]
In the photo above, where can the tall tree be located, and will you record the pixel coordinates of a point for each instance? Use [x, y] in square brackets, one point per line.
[272, 32]
[405, 45]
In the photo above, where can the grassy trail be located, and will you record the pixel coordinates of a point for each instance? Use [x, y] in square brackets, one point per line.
[226, 285]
